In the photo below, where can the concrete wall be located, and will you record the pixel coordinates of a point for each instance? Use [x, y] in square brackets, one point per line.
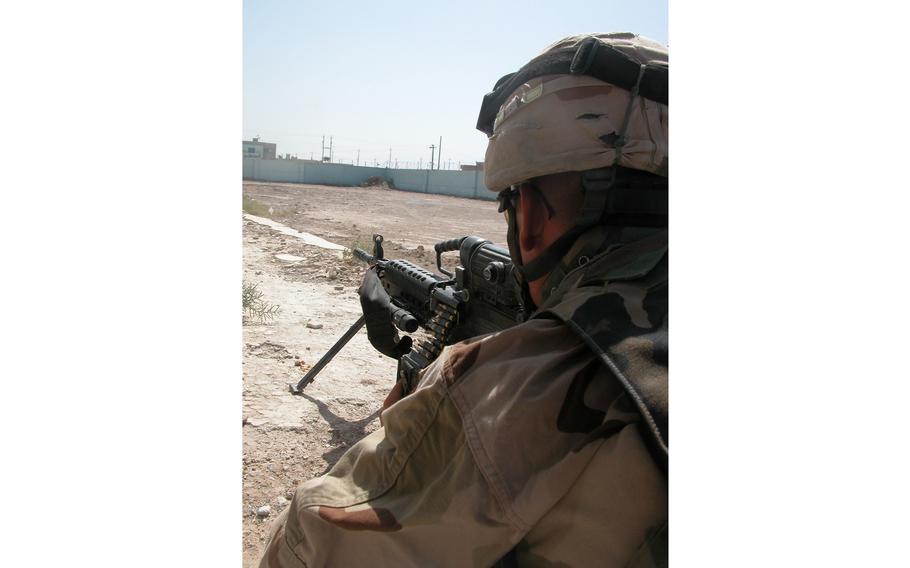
[441, 182]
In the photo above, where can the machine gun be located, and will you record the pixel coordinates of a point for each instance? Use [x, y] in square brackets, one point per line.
[480, 297]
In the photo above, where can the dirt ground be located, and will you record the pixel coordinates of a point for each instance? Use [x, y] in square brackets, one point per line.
[288, 439]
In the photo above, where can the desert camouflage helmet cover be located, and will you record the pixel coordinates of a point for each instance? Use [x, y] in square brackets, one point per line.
[572, 109]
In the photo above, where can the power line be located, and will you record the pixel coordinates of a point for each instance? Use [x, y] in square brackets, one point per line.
[357, 153]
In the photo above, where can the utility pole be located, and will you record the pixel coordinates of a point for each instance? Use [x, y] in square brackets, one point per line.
[420, 163]
[389, 164]
[331, 153]
[432, 154]
[358, 156]
[439, 162]
[329, 148]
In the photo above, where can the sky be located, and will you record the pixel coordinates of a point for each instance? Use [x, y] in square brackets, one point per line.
[381, 75]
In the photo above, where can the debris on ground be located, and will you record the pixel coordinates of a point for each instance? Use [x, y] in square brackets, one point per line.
[377, 182]
[263, 512]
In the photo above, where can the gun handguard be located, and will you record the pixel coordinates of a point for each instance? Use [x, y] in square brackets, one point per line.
[398, 312]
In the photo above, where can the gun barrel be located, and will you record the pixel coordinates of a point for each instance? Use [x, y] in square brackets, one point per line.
[364, 256]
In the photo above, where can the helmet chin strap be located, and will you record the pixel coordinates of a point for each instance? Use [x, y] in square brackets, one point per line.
[595, 186]
[518, 272]
[632, 199]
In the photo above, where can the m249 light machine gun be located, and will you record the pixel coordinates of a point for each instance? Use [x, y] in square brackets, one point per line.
[480, 297]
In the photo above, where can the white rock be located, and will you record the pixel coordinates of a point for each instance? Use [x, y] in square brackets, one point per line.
[263, 512]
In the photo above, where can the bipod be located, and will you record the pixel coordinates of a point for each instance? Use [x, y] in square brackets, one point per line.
[297, 388]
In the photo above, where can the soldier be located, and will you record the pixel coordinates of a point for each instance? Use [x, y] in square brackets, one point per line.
[544, 444]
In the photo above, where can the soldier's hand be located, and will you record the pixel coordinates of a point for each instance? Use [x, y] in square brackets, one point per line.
[376, 305]
[394, 395]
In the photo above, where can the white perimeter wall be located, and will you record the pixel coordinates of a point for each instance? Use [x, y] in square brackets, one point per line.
[442, 182]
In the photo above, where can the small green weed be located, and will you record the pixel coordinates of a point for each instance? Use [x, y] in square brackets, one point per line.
[253, 207]
[255, 306]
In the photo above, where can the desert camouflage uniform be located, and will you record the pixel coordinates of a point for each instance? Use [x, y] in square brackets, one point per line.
[521, 444]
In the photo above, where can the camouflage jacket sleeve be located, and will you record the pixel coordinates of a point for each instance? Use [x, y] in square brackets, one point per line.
[492, 452]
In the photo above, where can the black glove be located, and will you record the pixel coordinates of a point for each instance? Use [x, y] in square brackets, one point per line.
[377, 312]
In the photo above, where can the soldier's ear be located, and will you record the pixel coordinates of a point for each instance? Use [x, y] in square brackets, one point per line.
[531, 216]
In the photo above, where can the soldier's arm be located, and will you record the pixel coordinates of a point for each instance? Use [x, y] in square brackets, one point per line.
[409, 494]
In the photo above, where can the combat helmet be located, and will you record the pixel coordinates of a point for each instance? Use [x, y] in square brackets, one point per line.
[596, 104]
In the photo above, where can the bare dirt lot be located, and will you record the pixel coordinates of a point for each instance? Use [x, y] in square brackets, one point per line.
[288, 439]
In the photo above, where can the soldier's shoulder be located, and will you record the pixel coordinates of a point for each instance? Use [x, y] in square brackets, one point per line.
[526, 345]
[528, 398]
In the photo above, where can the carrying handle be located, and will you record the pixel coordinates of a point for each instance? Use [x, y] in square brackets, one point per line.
[446, 246]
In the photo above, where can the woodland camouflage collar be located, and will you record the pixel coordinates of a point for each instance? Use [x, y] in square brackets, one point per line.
[629, 261]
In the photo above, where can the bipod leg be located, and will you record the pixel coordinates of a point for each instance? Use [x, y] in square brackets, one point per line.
[297, 388]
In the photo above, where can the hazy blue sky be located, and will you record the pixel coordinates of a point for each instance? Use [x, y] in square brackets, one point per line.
[377, 75]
